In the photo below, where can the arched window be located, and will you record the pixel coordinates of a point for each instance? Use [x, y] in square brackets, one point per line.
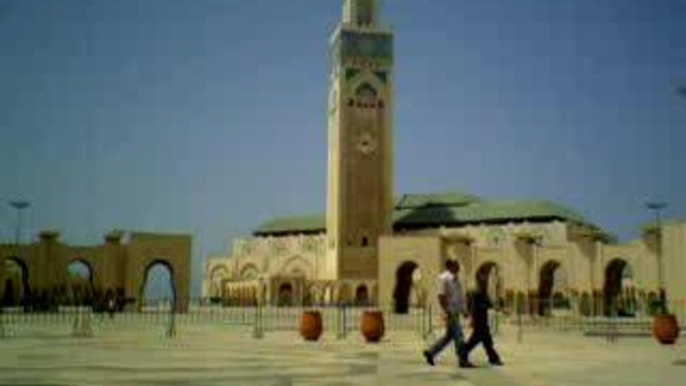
[366, 91]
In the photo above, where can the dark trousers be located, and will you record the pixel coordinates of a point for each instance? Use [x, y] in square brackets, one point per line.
[481, 335]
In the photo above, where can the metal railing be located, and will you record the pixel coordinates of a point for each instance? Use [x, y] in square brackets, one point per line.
[338, 320]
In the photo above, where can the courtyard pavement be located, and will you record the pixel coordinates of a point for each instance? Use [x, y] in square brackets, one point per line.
[207, 355]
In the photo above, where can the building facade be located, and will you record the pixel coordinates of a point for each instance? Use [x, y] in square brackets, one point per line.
[372, 248]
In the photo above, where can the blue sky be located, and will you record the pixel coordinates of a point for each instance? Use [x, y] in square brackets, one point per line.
[210, 116]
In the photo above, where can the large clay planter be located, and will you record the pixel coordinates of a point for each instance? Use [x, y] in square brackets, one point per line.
[665, 328]
[311, 325]
[372, 326]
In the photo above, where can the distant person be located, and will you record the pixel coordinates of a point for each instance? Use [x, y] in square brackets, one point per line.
[451, 299]
[481, 331]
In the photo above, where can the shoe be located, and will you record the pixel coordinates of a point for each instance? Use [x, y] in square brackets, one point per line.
[497, 362]
[465, 364]
[429, 358]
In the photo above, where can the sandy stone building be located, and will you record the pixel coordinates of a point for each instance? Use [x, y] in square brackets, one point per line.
[370, 247]
[39, 272]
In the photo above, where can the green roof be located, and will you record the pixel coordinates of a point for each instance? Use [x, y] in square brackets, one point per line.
[484, 211]
[303, 224]
[445, 209]
[409, 201]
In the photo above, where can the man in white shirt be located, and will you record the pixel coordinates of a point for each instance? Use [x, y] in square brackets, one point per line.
[452, 301]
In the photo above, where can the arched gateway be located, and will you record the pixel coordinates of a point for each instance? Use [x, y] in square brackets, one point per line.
[49, 273]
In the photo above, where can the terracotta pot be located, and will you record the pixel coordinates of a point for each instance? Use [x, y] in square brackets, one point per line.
[665, 328]
[372, 326]
[311, 325]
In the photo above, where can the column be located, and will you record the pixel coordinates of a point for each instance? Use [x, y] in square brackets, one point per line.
[598, 279]
[471, 281]
[533, 295]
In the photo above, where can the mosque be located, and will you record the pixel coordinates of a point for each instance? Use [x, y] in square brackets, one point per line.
[374, 248]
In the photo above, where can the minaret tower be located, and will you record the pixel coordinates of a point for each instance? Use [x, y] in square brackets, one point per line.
[360, 121]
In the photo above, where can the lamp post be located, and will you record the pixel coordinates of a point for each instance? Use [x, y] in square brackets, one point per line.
[19, 206]
[657, 208]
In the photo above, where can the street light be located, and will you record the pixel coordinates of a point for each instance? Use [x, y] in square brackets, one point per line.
[657, 207]
[19, 206]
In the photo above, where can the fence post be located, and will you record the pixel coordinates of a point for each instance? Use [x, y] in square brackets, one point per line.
[341, 321]
[612, 327]
[520, 331]
[82, 325]
[171, 330]
[2, 323]
[428, 331]
[258, 332]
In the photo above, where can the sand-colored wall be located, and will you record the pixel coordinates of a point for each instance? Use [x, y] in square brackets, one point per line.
[425, 251]
[112, 265]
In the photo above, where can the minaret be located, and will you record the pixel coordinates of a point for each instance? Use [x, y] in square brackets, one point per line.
[361, 13]
[360, 121]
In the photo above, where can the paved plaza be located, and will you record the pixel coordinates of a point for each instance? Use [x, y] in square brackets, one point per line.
[129, 355]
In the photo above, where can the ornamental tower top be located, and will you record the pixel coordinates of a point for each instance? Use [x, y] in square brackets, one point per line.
[361, 13]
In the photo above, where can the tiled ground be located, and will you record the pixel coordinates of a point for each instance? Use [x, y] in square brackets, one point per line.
[139, 354]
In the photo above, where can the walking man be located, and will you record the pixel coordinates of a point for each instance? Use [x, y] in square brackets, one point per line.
[451, 299]
[481, 332]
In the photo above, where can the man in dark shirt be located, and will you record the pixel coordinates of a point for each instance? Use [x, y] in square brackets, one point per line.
[481, 332]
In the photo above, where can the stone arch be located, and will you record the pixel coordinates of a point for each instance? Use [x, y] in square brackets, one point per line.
[80, 290]
[368, 78]
[170, 269]
[616, 299]
[489, 275]
[362, 295]
[552, 287]
[218, 274]
[365, 89]
[286, 294]
[174, 251]
[17, 289]
[296, 266]
[404, 283]
[249, 271]
[219, 271]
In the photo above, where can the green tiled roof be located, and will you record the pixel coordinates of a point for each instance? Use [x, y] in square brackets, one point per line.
[484, 211]
[409, 201]
[302, 224]
[433, 210]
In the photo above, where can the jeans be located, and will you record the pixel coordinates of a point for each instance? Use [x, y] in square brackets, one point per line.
[453, 332]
